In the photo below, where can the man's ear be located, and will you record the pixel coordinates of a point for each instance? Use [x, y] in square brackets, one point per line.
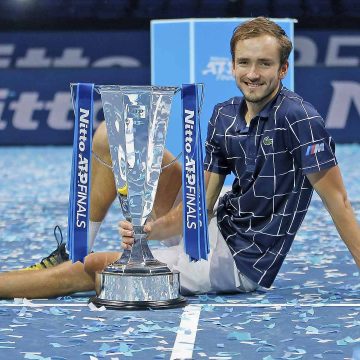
[283, 70]
[233, 68]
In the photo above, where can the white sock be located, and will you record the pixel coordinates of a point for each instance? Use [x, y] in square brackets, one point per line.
[94, 228]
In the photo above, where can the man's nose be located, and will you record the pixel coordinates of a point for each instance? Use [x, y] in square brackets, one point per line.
[253, 73]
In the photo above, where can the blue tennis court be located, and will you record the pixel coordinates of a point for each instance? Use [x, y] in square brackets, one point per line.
[311, 312]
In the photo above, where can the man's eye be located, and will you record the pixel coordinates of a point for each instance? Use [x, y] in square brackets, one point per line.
[266, 64]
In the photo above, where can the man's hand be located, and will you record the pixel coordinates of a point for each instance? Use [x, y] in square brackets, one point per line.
[127, 233]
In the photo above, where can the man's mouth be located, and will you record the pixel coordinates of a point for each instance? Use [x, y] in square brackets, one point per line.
[252, 85]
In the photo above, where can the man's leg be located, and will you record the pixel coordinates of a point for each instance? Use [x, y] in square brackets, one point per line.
[169, 185]
[63, 279]
[103, 190]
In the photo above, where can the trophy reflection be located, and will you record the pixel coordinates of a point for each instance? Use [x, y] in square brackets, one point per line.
[136, 120]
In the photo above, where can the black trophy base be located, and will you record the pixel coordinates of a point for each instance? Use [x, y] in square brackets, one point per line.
[139, 305]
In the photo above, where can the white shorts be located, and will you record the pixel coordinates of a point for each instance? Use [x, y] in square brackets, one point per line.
[218, 274]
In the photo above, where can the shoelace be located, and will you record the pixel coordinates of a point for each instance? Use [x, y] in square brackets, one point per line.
[57, 231]
[59, 243]
[57, 227]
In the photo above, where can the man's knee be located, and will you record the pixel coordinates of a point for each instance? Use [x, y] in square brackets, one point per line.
[98, 261]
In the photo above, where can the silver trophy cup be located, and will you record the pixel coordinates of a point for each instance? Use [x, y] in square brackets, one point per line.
[136, 120]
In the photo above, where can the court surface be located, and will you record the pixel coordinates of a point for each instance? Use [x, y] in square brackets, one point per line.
[311, 312]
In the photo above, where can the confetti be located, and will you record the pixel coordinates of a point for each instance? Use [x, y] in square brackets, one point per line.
[317, 272]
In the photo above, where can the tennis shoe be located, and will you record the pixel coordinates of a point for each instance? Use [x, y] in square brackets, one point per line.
[58, 256]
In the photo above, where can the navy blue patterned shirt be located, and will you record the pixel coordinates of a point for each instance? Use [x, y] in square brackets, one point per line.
[270, 195]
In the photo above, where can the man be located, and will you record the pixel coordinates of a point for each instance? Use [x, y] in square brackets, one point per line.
[275, 144]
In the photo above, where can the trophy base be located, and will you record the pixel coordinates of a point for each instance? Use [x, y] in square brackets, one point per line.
[137, 290]
[138, 305]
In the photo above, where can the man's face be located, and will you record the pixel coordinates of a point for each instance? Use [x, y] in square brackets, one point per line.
[256, 68]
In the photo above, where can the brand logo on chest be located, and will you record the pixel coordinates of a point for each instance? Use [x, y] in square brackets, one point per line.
[267, 140]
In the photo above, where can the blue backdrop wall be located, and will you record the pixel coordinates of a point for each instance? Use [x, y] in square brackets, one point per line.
[37, 67]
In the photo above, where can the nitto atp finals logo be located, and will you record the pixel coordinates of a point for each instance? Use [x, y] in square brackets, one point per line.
[314, 149]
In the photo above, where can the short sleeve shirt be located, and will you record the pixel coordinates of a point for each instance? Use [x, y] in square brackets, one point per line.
[270, 195]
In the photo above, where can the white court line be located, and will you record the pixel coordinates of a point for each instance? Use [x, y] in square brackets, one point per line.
[259, 305]
[185, 338]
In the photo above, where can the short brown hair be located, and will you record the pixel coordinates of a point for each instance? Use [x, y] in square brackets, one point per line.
[258, 27]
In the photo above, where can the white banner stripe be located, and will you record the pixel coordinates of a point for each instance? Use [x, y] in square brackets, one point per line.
[186, 335]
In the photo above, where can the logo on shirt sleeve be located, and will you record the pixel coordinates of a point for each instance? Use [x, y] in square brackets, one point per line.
[314, 149]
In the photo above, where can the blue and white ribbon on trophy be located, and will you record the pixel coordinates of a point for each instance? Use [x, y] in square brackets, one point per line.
[195, 225]
[79, 198]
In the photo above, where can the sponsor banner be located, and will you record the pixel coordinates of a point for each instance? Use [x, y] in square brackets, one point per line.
[80, 49]
[37, 67]
[195, 224]
[335, 93]
[37, 112]
[40, 50]
[36, 108]
[79, 197]
[327, 48]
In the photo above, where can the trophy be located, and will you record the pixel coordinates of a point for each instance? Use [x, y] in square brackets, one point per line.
[136, 119]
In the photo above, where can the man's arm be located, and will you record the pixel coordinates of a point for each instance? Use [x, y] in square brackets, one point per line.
[171, 224]
[213, 184]
[330, 187]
